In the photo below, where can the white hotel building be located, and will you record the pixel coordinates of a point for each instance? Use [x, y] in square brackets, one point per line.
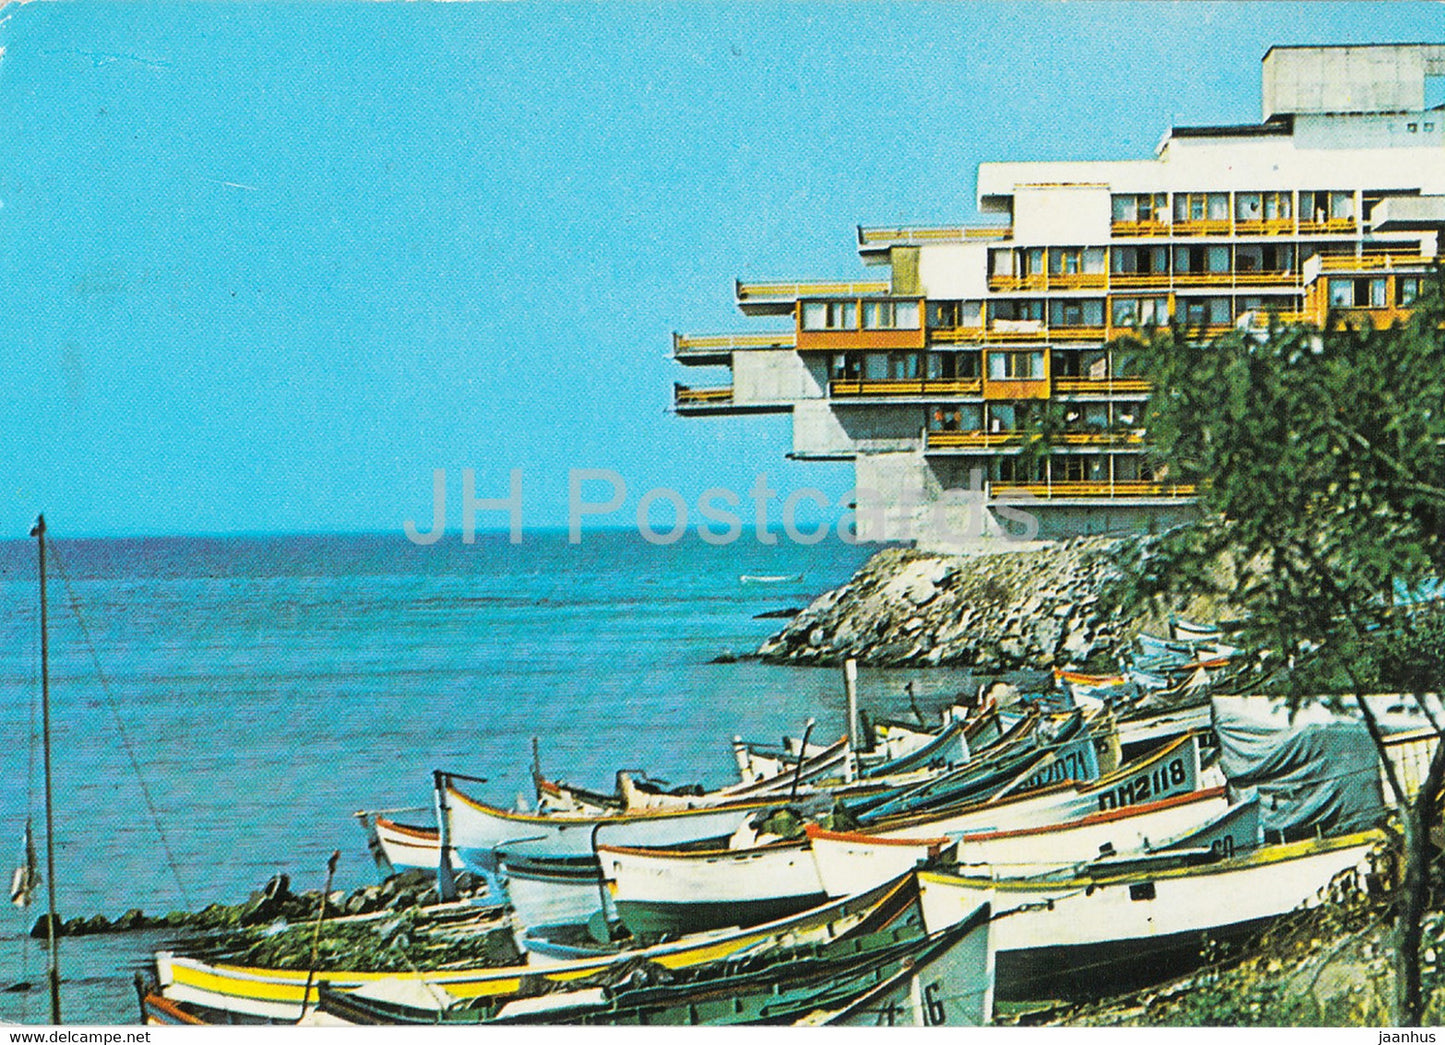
[929, 378]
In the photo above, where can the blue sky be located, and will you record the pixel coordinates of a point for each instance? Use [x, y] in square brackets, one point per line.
[266, 267]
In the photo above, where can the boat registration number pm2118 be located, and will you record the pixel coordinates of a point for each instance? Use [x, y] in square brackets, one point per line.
[1149, 785]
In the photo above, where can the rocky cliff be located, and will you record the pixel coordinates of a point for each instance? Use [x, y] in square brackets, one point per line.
[1037, 608]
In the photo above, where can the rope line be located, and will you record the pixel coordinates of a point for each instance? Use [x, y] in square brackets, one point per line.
[120, 727]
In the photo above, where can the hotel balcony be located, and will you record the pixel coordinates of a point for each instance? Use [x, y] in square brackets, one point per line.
[1139, 228]
[1141, 281]
[781, 299]
[1091, 491]
[911, 388]
[1265, 227]
[875, 243]
[1022, 334]
[1108, 386]
[1330, 226]
[691, 402]
[717, 349]
[1204, 227]
[979, 441]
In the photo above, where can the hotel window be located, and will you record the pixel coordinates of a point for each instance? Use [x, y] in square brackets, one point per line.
[1263, 257]
[848, 366]
[1079, 468]
[1017, 311]
[1141, 260]
[955, 417]
[1278, 206]
[1201, 206]
[1066, 261]
[945, 315]
[1212, 260]
[1406, 290]
[903, 366]
[1357, 293]
[1320, 205]
[1211, 312]
[1248, 206]
[830, 315]
[1087, 417]
[1015, 366]
[890, 315]
[1142, 207]
[947, 366]
[875, 366]
[1088, 312]
[1018, 470]
[1142, 312]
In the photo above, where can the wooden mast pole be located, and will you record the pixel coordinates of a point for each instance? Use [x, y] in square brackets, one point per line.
[51, 934]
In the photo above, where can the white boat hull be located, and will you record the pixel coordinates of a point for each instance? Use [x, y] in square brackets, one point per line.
[1072, 937]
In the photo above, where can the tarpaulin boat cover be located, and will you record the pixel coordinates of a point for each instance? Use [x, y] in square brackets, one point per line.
[1314, 772]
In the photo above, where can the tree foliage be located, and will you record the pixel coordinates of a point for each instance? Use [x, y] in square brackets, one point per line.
[1319, 456]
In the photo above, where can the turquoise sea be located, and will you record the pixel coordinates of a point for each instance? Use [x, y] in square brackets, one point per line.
[268, 687]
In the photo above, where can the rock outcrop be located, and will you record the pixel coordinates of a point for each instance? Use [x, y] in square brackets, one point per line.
[1038, 608]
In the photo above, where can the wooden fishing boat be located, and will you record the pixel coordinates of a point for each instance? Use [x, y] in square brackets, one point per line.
[950, 986]
[769, 989]
[479, 831]
[546, 890]
[1088, 936]
[404, 846]
[846, 859]
[1029, 760]
[662, 891]
[1173, 769]
[227, 992]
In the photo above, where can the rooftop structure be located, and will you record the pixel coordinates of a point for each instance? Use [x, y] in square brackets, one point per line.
[930, 379]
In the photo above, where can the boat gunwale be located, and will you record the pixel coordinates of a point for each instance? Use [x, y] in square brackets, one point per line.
[573, 820]
[1104, 816]
[817, 831]
[1079, 787]
[410, 830]
[813, 918]
[664, 853]
[1265, 856]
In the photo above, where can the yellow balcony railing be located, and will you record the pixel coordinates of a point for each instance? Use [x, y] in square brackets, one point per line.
[1140, 280]
[1092, 490]
[1101, 386]
[1005, 336]
[702, 396]
[1266, 279]
[907, 387]
[1140, 228]
[1099, 438]
[683, 343]
[1033, 281]
[1264, 227]
[1205, 227]
[1373, 262]
[1330, 225]
[932, 233]
[973, 440]
[1077, 280]
[986, 335]
[785, 291]
[1077, 333]
[1204, 279]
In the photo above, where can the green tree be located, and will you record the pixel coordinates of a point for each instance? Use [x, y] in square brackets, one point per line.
[1319, 456]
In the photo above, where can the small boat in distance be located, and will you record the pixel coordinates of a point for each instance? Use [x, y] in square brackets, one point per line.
[768, 578]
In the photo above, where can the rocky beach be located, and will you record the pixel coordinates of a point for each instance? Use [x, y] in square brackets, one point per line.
[1038, 608]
